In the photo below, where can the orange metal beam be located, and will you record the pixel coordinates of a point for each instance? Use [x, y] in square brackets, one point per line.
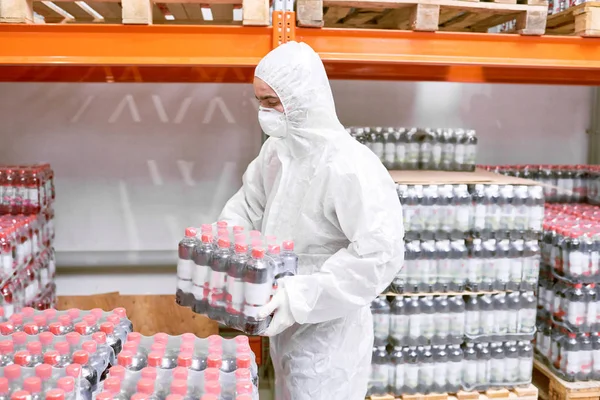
[456, 57]
[114, 53]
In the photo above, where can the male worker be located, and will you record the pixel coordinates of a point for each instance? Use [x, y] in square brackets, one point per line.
[315, 184]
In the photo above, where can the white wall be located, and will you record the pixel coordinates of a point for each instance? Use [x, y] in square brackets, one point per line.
[136, 163]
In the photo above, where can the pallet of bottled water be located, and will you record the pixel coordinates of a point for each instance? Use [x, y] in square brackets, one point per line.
[229, 274]
[420, 148]
[178, 367]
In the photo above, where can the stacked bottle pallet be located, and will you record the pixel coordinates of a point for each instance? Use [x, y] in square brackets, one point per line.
[420, 148]
[460, 316]
[27, 264]
[78, 354]
[229, 275]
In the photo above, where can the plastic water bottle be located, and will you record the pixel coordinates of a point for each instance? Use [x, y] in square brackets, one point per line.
[235, 285]
[399, 321]
[218, 276]
[202, 272]
[185, 264]
[258, 278]
[33, 385]
[380, 309]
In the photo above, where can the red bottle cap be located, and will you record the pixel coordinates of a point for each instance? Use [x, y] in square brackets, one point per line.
[125, 358]
[33, 384]
[174, 397]
[66, 383]
[241, 248]
[121, 312]
[16, 319]
[73, 370]
[90, 320]
[190, 232]
[40, 320]
[46, 338]
[242, 339]
[114, 319]
[97, 313]
[31, 329]
[28, 311]
[22, 358]
[222, 224]
[215, 340]
[149, 373]
[90, 346]
[6, 347]
[55, 394]
[62, 348]
[12, 372]
[107, 328]
[65, 320]
[209, 397]
[43, 371]
[159, 347]
[155, 359]
[238, 229]
[55, 328]
[50, 314]
[207, 238]
[212, 387]
[243, 361]
[184, 360]
[117, 371]
[112, 385]
[104, 396]
[99, 337]
[243, 374]
[214, 361]
[211, 374]
[188, 338]
[73, 313]
[51, 357]
[34, 348]
[81, 357]
[140, 396]
[243, 387]
[288, 245]
[161, 338]
[145, 386]
[19, 338]
[134, 337]
[20, 395]
[179, 387]
[224, 243]
[132, 347]
[258, 252]
[180, 373]
[6, 328]
[73, 338]
[186, 348]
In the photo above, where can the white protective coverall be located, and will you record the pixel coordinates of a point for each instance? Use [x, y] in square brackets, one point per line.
[332, 196]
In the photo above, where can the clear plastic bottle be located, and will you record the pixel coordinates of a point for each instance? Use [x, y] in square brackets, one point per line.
[202, 256]
[427, 320]
[469, 372]
[440, 360]
[258, 278]
[380, 308]
[527, 313]
[88, 372]
[500, 308]
[33, 385]
[218, 276]
[185, 265]
[511, 354]
[411, 375]
[498, 365]
[525, 363]
[472, 325]
[455, 368]
[457, 319]
[396, 376]
[289, 258]
[399, 323]
[442, 320]
[484, 357]
[426, 370]
[235, 285]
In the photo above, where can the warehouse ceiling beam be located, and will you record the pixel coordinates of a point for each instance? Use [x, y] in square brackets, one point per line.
[165, 53]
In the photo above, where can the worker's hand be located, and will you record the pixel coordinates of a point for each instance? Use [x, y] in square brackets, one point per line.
[283, 317]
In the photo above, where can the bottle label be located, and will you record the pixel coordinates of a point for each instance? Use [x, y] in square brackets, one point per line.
[401, 153]
[412, 376]
[516, 270]
[413, 153]
[399, 377]
[426, 375]
[399, 327]
[497, 371]
[235, 292]
[377, 148]
[390, 153]
[459, 154]
[381, 325]
[379, 374]
[32, 197]
[457, 324]
[472, 323]
[470, 374]
[512, 370]
[454, 374]
[257, 294]
[441, 372]
[185, 269]
[415, 326]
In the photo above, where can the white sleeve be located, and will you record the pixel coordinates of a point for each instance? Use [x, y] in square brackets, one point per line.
[369, 213]
[247, 206]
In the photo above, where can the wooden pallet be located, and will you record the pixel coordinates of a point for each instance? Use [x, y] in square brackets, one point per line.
[551, 387]
[528, 393]
[424, 15]
[581, 20]
[145, 12]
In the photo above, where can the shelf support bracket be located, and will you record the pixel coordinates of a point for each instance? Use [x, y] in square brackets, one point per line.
[16, 11]
[284, 27]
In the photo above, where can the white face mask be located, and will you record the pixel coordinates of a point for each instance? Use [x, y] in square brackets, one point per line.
[272, 122]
